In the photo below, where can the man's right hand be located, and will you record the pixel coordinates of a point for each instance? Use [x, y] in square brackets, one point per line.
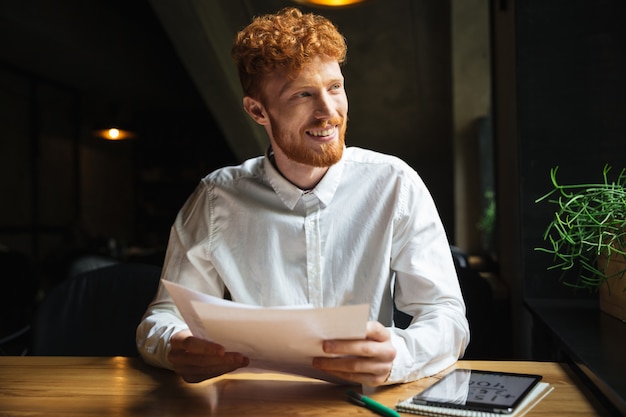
[196, 359]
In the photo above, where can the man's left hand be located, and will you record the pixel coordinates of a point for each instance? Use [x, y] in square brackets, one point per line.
[366, 361]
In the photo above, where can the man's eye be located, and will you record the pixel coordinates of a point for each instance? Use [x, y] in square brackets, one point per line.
[303, 94]
[336, 86]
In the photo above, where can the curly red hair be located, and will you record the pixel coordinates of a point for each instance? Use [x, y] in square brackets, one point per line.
[286, 40]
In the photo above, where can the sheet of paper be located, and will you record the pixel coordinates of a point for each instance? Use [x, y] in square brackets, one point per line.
[183, 297]
[283, 339]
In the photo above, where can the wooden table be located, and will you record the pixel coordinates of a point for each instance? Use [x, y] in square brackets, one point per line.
[92, 386]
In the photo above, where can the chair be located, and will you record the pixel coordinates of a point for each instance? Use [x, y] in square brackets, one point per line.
[480, 309]
[89, 262]
[478, 297]
[18, 275]
[95, 313]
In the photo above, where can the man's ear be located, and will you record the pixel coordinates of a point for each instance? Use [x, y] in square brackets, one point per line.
[256, 110]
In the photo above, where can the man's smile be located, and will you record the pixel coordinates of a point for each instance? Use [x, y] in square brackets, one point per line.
[326, 133]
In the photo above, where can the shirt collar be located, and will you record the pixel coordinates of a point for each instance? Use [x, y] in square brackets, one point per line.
[290, 194]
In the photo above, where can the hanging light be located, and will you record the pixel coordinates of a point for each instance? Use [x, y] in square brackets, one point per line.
[329, 3]
[117, 124]
[114, 133]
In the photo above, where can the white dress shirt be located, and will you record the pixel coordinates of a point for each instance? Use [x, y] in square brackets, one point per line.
[369, 232]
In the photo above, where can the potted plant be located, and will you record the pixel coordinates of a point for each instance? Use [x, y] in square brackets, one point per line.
[587, 237]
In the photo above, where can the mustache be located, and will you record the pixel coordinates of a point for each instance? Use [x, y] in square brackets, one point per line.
[322, 124]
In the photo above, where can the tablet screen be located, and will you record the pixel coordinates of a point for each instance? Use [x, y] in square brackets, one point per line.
[479, 390]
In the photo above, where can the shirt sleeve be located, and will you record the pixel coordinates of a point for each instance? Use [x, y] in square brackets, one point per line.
[187, 264]
[426, 288]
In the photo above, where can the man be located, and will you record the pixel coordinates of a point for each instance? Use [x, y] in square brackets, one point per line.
[311, 222]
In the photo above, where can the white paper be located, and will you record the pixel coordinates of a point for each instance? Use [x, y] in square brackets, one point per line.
[182, 297]
[283, 339]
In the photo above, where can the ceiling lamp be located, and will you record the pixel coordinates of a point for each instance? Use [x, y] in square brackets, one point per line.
[117, 124]
[329, 3]
[114, 133]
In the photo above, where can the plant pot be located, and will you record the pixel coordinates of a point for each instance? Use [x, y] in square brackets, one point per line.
[613, 292]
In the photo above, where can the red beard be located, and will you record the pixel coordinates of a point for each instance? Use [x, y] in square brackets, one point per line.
[326, 155]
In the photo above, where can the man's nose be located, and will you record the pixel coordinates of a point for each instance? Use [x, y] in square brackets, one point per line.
[324, 107]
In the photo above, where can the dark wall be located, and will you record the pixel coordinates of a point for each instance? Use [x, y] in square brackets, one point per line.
[65, 70]
[571, 111]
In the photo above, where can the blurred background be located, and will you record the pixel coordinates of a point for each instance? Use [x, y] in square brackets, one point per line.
[481, 97]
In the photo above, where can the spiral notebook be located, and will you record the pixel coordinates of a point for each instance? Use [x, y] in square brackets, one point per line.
[478, 394]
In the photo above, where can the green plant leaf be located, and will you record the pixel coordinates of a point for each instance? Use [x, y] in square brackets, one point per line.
[589, 221]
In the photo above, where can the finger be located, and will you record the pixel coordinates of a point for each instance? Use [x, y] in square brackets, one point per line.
[185, 341]
[354, 369]
[376, 331]
[362, 349]
[351, 365]
[202, 347]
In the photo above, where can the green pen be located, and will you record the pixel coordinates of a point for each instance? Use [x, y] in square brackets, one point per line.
[370, 404]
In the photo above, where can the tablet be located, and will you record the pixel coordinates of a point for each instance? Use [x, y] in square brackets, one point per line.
[495, 392]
